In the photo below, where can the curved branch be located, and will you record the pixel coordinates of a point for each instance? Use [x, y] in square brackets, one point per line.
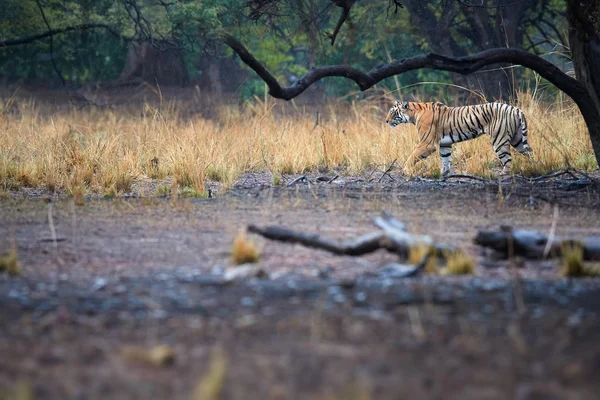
[338, 26]
[363, 80]
[52, 32]
[461, 65]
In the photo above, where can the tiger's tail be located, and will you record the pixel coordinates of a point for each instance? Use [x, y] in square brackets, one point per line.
[519, 140]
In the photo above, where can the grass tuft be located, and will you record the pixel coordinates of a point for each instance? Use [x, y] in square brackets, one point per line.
[416, 254]
[9, 263]
[157, 356]
[244, 250]
[459, 263]
[211, 384]
[573, 264]
[162, 190]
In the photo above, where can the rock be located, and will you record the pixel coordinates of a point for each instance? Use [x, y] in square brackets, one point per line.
[244, 272]
[394, 270]
[248, 302]
[360, 297]
[99, 284]
[321, 273]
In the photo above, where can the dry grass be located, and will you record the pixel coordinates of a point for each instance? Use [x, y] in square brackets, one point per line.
[244, 250]
[104, 151]
[211, 385]
[573, 264]
[9, 263]
[418, 252]
[459, 263]
[157, 356]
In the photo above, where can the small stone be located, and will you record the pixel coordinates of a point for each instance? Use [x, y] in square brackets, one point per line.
[99, 284]
[333, 290]
[244, 271]
[248, 302]
[392, 271]
[360, 297]
[339, 298]
[120, 289]
[162, 277]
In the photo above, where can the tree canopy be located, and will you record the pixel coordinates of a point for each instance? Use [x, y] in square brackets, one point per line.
[87, 41]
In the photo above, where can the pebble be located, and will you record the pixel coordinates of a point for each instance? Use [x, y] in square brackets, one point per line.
[248, 302]
[394, 270]
[339, 298]
[333, 290]
[99, 284]
[360, 297]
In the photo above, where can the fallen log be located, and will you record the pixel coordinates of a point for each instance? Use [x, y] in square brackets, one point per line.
[392, 238]
[362, 245]
[531, 244]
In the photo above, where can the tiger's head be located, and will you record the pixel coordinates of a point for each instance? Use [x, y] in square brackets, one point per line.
[400, 113]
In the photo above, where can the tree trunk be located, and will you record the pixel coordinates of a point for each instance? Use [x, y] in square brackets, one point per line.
[584, 40]
[154, 65]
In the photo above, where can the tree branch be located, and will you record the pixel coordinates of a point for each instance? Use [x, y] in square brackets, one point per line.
[462, 65]
[52, 32]
[347, 5]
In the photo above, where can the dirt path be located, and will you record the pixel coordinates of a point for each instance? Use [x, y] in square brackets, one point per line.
[145, 272]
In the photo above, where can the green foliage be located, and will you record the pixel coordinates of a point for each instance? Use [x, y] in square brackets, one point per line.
[289, 42]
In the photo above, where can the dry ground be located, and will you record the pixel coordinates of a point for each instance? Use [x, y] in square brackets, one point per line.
[142, 271]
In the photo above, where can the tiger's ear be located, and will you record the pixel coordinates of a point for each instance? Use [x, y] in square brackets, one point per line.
[405, 104]
[397, 102]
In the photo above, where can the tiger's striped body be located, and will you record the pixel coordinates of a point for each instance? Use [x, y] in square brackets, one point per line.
[440, 125]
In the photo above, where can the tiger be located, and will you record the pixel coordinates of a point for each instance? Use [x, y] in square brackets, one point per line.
[440, 125]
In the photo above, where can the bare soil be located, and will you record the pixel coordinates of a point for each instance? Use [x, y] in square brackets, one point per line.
[141, 271]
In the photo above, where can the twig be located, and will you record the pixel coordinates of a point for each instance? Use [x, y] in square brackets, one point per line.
[552, 231]
[415, 322]
[371, 174]
[465, 176]
[362, 245]
[51, 223]
[548, 176]
[333, 179]
[298, 179]
[518, 293]
[388, 170]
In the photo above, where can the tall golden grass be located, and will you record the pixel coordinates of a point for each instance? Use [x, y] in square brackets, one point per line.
[104, 151]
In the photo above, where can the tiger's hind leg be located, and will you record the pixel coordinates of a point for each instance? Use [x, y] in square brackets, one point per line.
[445, 155]
[520, 144]
[503, 152]
[519, 139]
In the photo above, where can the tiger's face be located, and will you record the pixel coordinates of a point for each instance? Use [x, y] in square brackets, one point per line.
[400, 113]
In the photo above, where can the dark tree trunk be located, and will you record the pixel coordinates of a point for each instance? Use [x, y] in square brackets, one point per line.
[220, 75]
[154, 64]
[584, 40]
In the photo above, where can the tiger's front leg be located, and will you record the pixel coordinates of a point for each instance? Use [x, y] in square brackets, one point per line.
[422, 151]
[445, 155]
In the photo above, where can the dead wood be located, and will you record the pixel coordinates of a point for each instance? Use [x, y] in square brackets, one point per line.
[362, 245]
[531, 244]
[298, 179]
[392, 238]
[388, 170]
[464, 176]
